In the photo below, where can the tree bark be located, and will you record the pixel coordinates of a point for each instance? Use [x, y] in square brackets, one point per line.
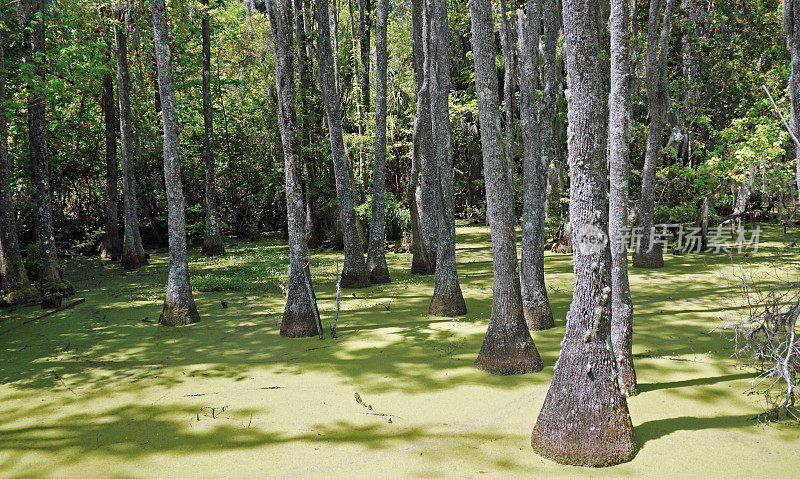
[651, 255]
[547, 112]
[585, 420]
[13, 276]
[535, 303]
[132, 250]
[212, 243]
[300, 313]
[447, 299]
[420, 258]
[179, 308]
[354, 270]
[34, 46]
[791, 25]
[619, 114]
[364, 30]
[507, 347]
[111, 246]
[509, 63]
[745, 191]
[430, 206]
[376, 255]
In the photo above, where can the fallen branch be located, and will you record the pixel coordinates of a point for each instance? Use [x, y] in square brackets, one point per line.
[49, 313]
[778, 111]
[58, 378]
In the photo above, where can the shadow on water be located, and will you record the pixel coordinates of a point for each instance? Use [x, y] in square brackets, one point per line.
[112, 344]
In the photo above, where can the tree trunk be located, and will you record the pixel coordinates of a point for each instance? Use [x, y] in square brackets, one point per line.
[745, 191]
[547, 113]
[34, 45]
[132, 251]
[300, 314]
[307, 127]
[691, 94]
[619, 113]
[651, 255]
[420, 257]
[447, 299]
[13, 276]
[111, 246]
[364, 27]
[584, 420]
[179, 308]
[376, 255]
[507, 347]
[212, 243]
[535, 303]
[354, 270]
[509, 60]
[791, 25]
[430, 206]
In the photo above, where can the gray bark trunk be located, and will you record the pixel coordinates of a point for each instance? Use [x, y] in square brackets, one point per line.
[791, 25]
[376, 255]
[691, 95]
[651, 255]
[509, 63]
[547, 114]
[354, 270]
[179, 308]
[212, 243]
[619, 113]
[430, 206]
[507, 347]
[34, 45]
[132, 250]
[536, 159]
[420, 258]
[447, 299]
[585, 420]
[111, 246]
[745, 191]
[300, 313]
[364, 26]
[13, 276]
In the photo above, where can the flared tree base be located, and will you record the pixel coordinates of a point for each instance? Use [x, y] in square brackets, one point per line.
[130, 260]
[23, 296]
[447, 306]
[213, 246]
[298, 324]
[650, 259]
[178, 315]
[354, 279]
[584, 420]
[594, 450]
[111, 247]
[538, 317]
[520, 357]
[379, 274]
[420, 266]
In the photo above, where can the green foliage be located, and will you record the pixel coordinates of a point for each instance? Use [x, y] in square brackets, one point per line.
[252, 270]
[33, 257]
[397, 218]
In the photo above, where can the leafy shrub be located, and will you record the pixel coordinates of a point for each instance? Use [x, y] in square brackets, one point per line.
[397, 217]
[34, 259]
